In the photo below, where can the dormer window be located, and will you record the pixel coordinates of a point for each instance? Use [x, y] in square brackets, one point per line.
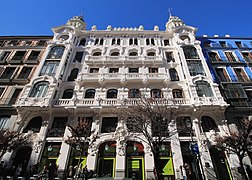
[115, 53]
[151, 54]
[98, 53]
[133, 54]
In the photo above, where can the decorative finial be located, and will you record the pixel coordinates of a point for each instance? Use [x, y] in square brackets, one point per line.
[170, 10]
[82, 12]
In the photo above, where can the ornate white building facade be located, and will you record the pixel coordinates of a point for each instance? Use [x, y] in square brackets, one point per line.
[89, 73]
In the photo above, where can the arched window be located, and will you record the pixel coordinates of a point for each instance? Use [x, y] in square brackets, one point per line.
[82, 42]
[90, 93]
[134, 93]
[156, 93]
[173, 74]
[68, 94]
[133, 54]
[34, 125]
[190, 52]
[73, 74]
[56, 52]
[115, 53]
[208, 124]
[177, 93]
[203, 88]
[39, 89]
[112, 93]
[98, 53]
[151, 54]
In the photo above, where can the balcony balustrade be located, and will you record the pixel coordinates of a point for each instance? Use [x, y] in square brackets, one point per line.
[123, 60]
[89, 77]
[117, 102]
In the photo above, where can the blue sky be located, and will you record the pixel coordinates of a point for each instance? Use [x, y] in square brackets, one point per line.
[29, 17]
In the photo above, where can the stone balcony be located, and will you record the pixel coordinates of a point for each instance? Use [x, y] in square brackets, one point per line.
[219, 101]
[122, 77]
[116, 102]
[91, 60]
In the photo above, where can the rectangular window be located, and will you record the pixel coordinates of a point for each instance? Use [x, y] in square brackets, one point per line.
[169, 57]
[34, 55]
[223, 44]
[58, 127]
[166, 42]
[213, 56]
[235, 92]
[207, 44]
[50, 68]
[8, 72]
[133, 70]
[19, 55]
[153, 70]
[25, 72]
[247, 56]
[94, 70]
[222, 75]
[238, 44]
[3, 121]
[78, 56]
[41, 43]
[195, 68]
[109, 124]
[2, 91]
[241, 75]
[113, 70]
[184, 126]
[4, 55]
[230, 57]
[14, 96]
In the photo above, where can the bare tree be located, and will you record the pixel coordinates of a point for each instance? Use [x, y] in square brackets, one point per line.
[238, 142]
[80, 138]
[12, 140]
[151, 118]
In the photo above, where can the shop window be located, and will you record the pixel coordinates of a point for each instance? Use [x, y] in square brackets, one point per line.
[134, 93]
[56, 52]
[203, 88]
[112, 93]
[90, 93]
[39, 89]
[34, 125]
[173, 74]
[68, 94]
[78, 56]
[156, 93]
[208, 124]
[109, 124]
[190, 52]
[235, 92]
[177, 93]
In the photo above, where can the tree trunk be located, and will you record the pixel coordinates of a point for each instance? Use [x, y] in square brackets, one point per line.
[157, 167]
[244, 174]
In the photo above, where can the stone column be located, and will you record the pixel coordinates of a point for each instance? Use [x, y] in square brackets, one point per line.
[120, 159]
[176, 152]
